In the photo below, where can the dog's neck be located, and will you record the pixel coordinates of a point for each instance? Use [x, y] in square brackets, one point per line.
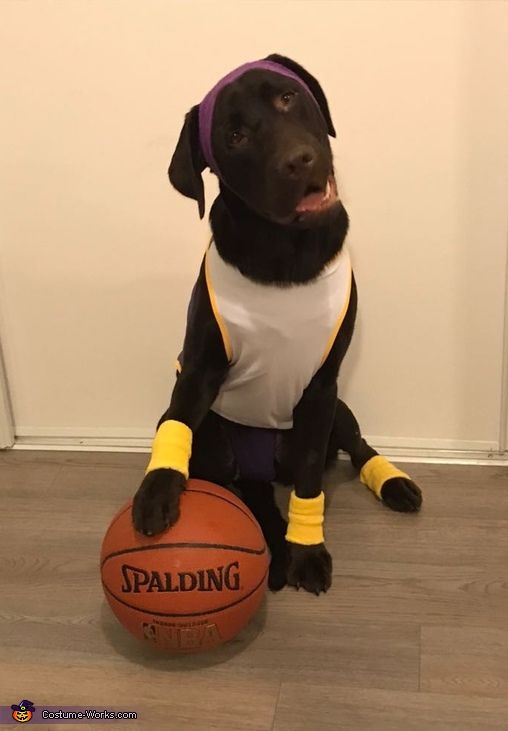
[272, 253]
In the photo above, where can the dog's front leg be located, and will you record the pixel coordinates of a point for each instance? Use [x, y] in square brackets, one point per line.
[156, 503]
[310, 564]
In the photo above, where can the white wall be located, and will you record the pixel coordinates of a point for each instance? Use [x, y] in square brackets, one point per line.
[98, 254]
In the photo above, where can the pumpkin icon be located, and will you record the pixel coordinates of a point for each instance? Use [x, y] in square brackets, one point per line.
[23, 712]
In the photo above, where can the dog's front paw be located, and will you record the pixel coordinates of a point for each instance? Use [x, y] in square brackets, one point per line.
[402, 495]
[310, 567]
[156, 505]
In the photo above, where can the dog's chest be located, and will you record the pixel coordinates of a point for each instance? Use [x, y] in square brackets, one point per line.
[277, 337]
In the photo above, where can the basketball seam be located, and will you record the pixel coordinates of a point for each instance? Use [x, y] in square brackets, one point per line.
[224, 546]
[114, 521]
[203, 492]
[185, 614]
[230, 502]
[128, 507]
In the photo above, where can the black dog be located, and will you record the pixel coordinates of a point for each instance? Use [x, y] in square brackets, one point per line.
[278, 223]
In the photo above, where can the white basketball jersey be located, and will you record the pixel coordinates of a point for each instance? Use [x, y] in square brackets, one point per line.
[276, 338]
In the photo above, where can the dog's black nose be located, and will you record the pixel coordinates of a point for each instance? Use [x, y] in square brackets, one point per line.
[298, 162]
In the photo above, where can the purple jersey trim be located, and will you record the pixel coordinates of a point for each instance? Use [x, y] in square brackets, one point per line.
[206, 108]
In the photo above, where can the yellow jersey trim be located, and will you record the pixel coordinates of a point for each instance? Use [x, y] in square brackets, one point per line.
[213, 301]
[340, 320]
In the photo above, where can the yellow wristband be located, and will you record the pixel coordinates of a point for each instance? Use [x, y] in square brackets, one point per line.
[306, 515]
[171, 447]
[377, 471]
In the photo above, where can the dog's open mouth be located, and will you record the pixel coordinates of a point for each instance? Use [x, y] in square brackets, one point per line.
[316, 199]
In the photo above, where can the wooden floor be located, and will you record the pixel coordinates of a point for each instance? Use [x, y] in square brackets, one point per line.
[412, 636]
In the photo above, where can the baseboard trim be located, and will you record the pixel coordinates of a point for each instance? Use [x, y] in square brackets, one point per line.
[481, 455]
[84, 444]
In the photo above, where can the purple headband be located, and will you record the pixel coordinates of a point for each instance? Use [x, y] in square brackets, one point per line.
[206, 107]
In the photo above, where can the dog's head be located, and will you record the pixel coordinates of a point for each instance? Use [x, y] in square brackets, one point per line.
[263, 130]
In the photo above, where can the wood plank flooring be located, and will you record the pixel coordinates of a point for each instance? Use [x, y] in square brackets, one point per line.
[412, 636]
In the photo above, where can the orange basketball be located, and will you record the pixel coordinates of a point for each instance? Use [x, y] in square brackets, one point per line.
[194, 586]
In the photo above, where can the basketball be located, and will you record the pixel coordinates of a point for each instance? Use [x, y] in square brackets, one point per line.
[197, 584]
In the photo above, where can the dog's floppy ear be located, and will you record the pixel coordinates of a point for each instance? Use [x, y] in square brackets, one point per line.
[188, 162]
[311, 82]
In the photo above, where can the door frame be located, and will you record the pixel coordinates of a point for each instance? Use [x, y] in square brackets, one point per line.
[6, 418]
[503, 422]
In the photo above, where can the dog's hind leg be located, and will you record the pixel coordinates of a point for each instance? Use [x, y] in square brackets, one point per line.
[393, 487]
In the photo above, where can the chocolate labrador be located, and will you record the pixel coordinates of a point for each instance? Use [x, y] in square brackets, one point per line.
[269, 321]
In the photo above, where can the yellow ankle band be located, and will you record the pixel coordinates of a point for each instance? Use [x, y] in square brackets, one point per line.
[377, 471]
[171, 447]
[306, 517]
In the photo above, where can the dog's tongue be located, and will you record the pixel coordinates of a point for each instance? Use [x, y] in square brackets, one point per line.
[313, 201]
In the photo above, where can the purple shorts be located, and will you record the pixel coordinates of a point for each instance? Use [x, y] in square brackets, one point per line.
[253, 447]
[254, 450]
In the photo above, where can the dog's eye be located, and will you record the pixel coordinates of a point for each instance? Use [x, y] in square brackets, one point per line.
[287, 98]
[237, 137]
